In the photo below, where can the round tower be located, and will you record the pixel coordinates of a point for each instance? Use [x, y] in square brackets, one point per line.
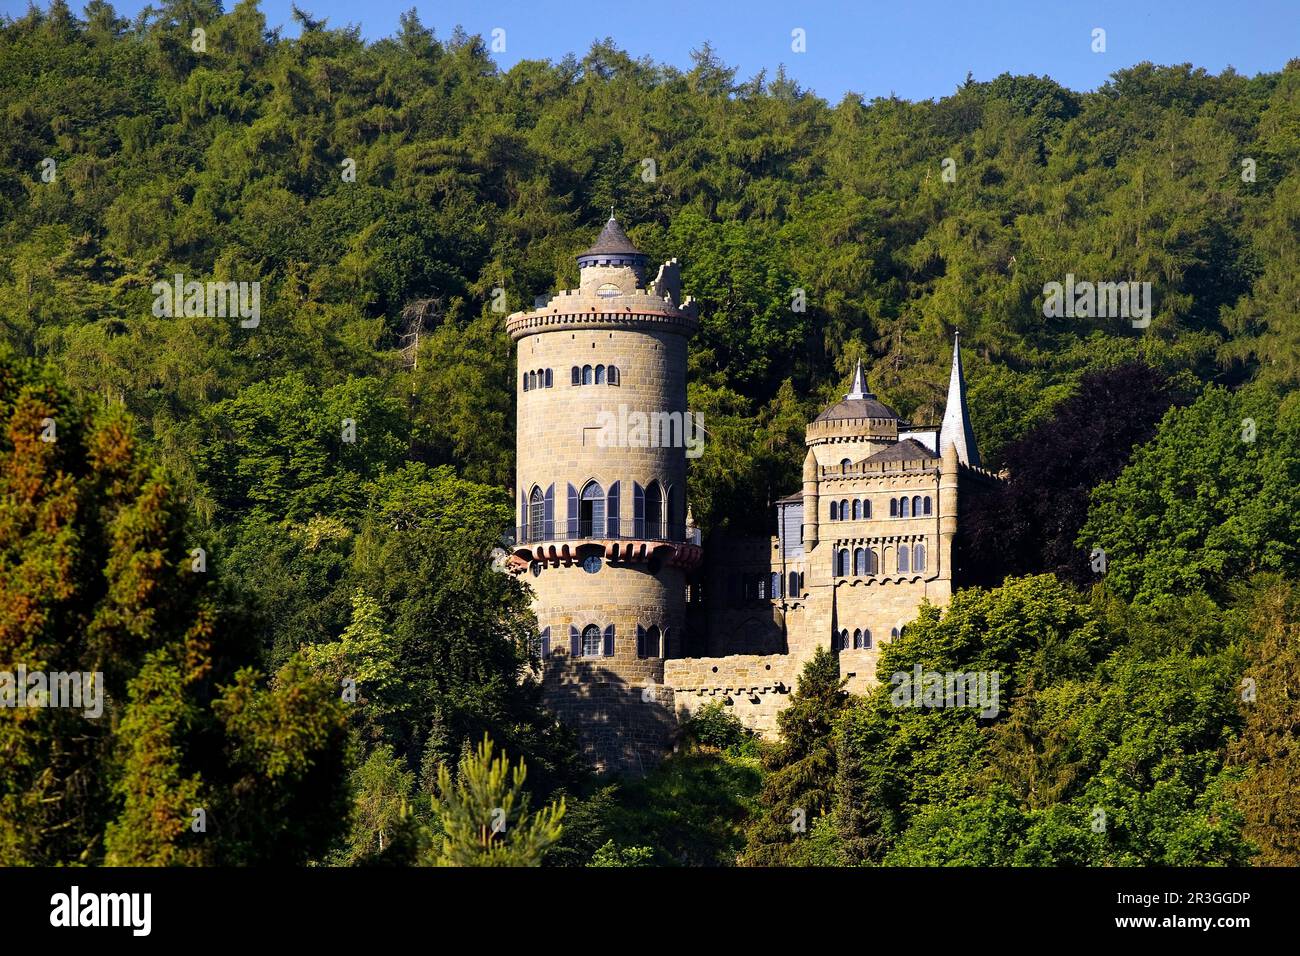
[602, 440]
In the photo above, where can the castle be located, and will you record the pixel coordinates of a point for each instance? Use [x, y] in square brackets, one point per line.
[635, 628]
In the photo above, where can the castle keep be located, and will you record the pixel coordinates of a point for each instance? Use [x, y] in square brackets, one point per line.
[604, 539]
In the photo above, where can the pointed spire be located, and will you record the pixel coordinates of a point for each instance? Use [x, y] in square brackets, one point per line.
[956, 430]
[859, 389]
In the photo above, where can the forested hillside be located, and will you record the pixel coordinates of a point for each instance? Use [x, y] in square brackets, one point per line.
[381, 193]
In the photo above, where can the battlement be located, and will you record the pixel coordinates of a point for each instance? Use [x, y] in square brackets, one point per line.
[753, 687]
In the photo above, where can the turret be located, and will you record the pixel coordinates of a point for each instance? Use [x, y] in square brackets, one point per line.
[810, 513]
[956, 430]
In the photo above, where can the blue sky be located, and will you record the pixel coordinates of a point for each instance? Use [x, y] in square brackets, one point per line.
[916, 50]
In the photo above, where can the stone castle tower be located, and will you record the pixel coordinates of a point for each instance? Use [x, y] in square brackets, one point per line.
[602, 534]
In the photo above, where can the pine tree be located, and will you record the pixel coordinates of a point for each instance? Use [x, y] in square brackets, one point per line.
[484, 814]
[800, 784]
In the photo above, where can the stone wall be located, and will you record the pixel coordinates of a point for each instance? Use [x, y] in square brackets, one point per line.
[752, 688]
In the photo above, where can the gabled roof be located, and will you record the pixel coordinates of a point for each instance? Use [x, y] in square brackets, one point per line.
[909, 449]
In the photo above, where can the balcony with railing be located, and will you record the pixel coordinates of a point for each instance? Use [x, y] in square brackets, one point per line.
[620, 541]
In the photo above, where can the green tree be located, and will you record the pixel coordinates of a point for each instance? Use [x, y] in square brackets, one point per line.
[484, 814]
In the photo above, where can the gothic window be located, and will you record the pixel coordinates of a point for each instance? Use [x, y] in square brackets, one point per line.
[857, 509]
[536, 514]
[835, 511]
[905, 508]
[842, 563]
[860, 561]
[577, 375]
[893, 632]
[861, 640]
[918, 557]
[591, 513]
[857, 638]
[654, 511]
[926, 503]
[600, 375]
[902, 558]
[843, 643]
[647, 641]
[542, 643]
[591, 643]
[586, 375]
[675, 524]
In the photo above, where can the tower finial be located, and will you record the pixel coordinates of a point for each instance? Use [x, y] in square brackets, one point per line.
[859, 388]
[956, 429]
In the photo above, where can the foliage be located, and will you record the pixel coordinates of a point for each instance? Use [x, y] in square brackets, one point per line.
[485, 817]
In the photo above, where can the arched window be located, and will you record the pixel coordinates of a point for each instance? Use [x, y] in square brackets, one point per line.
[860, 561]
[905, 508]
[612, 372]
[801, 582]
[591, 641]
[893, 507]
[902, 557]
[873, 564]
[926, 503]
[586, 375]
[650, 642]
[536, 514]
[835, 511]
[845, 463]
[549, 380]
[654, 511]
[866, 507]
[792, 584]
[600, 375]
[857, 509]
[774, 586]
[862, 640]
[893, 632]
[674, 524]
[525, 381]
[577, 375]
[842, 563]
[843, 643]
[918, 557]
[916, 506]
[844, 509]
[591, 511]
[857, 638]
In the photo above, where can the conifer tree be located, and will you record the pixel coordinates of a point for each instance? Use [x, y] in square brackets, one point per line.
[485, 817]
[801, 768]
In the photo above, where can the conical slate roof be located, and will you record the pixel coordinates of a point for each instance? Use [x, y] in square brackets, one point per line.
[612, 241]
[858, 403]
